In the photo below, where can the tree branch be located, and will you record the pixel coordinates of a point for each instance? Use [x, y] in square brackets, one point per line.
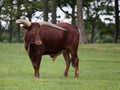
[66, 12]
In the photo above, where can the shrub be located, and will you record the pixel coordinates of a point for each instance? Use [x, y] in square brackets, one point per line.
[5, 37]
[107, 39]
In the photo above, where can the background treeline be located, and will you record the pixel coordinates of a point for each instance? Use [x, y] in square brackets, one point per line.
[94, 29]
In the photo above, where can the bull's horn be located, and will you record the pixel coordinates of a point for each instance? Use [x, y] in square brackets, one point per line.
[51, 25]
[24, 22]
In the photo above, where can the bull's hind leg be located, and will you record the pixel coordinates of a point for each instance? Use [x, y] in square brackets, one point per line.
[75, 62]
[67, 60]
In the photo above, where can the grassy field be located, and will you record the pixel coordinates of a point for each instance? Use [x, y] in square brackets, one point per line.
[99, 69]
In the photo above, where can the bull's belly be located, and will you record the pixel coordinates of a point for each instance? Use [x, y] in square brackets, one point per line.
[53, 54]
[42, 50]
[52, 51]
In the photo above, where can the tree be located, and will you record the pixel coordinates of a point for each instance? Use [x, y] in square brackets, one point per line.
[18, 15]
[72, 4]
[80, 21]
[54, 6]
[0, 15]
[8, 12]
[14, 9]
[11, 10]
[93, 10]
[45, 10]
[117, 28]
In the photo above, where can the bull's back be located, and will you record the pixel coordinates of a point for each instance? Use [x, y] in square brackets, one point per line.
[72, 33]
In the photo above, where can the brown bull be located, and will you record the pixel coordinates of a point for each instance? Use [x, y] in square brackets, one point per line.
[42, 38]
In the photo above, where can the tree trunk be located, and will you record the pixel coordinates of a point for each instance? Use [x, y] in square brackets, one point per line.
[18, 26]
[73, 16]
[0, 18]
[116, 32]
[10, 31]
[54, 5]
[18, 33]
[80, 22]
[45, 10]
[93, 33]
[0, 23]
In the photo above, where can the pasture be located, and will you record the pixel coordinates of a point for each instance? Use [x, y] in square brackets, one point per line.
[99, 69]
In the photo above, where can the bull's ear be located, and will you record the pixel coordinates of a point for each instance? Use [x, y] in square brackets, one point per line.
[26, 28]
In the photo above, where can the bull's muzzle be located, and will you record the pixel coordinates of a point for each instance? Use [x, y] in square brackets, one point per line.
[38, 42]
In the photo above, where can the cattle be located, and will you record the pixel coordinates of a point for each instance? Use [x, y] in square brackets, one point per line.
[43, 38]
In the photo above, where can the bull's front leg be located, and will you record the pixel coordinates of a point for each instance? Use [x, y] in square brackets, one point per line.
[36, 60]
[36, 66]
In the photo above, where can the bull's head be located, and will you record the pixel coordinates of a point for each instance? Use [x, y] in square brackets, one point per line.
[32, 32]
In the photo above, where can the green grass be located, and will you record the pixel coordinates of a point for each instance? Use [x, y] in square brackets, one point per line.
[99, 69]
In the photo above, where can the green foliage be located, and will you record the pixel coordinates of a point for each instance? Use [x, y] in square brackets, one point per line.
[14, 9]
[93, 23]
[107, 39]
[5, 37]
[99, 69]
[66, 2]
[18, 8]
[72, 4]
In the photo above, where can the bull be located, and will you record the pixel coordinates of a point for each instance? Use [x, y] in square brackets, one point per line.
[43, 38]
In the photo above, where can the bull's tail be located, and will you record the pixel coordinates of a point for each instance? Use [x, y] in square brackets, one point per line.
[72, 62]
[74, 57]
[79, 33]
[73, 65]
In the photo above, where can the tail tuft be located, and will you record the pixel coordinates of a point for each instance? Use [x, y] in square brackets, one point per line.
[73, 65]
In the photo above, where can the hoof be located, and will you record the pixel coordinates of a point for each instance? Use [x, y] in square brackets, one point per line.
[76, 76]
[36, 76]
[65, 75]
